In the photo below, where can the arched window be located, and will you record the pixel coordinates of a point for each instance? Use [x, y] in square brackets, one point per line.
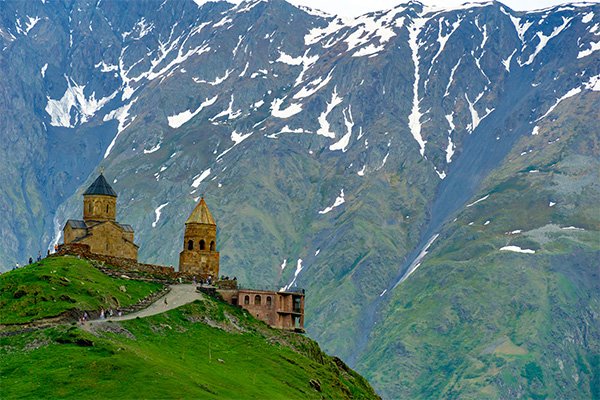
[202, 244]
[212, 245]
[107, 208]
[247, 300]
[269, 301]
[190, 245]
[90, 207]
[257, 300]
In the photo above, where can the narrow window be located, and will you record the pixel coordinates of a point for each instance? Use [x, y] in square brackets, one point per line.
[247, 300]
[212, 245]
[190, 245]
[202, 244]
[257, 300]
[90, 207]
[269, 301]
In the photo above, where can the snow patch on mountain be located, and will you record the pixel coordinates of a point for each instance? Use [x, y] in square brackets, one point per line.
[417, 261]
[543, 40]
[140, 29]
[506, 61]
[121, 114]
[238, 138]
[342, 144]
[517, 249]
[478, 201]
[200, 177]
[594, 46]
[288, 112]
[104, 67]
[217, 81]
[414, 119]
[313, 86]
[74, 97]
[338, 202]
[520, 27]
[570, 93]
[157, 213]
[287, 59]
[451, 79]
[587, 17]
[228, 112]
[296, 273]
[153, 149]
[593, 83]
[177, 120]
[323, 123]
[443, 39]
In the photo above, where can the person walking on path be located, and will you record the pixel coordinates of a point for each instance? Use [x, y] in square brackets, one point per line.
[166, 303]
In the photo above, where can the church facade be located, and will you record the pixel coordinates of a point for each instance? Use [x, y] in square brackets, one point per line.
[99, 228]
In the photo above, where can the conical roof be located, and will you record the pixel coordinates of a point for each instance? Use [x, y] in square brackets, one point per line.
[201, 214]
[100, 186]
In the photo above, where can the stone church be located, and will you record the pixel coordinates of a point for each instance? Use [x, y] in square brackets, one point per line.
[99, 228]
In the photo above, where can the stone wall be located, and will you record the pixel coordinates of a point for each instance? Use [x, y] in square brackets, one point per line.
[117, 266]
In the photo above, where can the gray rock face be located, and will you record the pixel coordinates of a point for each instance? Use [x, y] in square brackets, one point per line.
[329, 151]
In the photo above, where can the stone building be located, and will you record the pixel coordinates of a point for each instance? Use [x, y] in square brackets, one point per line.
[99, 228]
[199, 255]
[282, 310]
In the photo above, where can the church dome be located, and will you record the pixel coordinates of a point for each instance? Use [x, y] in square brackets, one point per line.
[100, 187]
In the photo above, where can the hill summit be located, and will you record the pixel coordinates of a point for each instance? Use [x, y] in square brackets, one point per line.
[205, 349]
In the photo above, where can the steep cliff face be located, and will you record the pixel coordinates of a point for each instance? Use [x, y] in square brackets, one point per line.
[330, 151]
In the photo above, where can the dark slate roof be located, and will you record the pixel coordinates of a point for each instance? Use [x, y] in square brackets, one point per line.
[76, 224]
[126, 227]
[100, 186]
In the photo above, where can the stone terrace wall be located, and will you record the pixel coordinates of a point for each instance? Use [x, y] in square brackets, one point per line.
[116, 266]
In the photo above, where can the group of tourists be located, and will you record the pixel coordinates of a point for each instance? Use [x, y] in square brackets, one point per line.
[202, 282]
[104, 314]
[38, 258]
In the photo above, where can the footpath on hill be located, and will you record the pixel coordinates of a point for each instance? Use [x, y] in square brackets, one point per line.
[178, 296]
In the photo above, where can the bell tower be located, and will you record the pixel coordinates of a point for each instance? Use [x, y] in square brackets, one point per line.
[99, 201]
[199, 255]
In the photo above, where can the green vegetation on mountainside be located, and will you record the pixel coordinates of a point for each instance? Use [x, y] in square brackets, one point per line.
[206, 349]
[57, 285]
[477, 322]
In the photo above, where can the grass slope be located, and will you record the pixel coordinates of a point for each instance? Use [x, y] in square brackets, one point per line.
[206, 349]
[57, 285]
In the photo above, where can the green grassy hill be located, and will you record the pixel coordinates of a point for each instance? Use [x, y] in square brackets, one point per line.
[58, 285]
[206, 349]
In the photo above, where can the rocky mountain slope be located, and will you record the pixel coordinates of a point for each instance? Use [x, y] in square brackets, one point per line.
[336, 154]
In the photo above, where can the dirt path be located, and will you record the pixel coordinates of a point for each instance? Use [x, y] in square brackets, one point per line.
[177, 297]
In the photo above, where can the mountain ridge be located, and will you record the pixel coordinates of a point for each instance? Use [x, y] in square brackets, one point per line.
[321, 162]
